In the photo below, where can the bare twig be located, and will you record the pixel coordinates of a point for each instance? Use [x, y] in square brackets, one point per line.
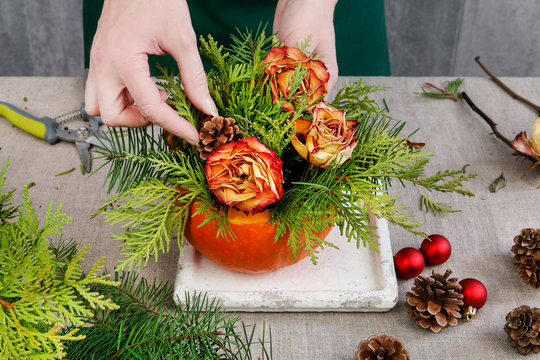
[505, 87]
[491, 124]
[442, 91]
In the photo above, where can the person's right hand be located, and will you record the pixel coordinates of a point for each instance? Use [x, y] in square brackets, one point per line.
[295, 20]
[119, 87]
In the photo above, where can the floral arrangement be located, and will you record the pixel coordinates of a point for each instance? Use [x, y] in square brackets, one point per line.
[278, 148]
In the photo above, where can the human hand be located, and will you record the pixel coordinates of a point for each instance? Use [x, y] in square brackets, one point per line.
[295, 20]
[119, 87]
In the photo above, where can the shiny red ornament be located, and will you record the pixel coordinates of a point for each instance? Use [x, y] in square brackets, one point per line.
[436, 249]
[409, 262]
[474, 297]
[474, 293]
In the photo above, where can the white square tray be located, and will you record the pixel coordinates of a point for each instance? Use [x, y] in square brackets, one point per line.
[348, 279]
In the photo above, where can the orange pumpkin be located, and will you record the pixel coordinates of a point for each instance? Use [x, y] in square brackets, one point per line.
[252, 251]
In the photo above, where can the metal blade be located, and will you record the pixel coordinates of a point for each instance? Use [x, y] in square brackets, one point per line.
[99, 141]
[83, 148]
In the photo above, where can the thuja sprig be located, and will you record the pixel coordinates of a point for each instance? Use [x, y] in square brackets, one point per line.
[354, 97]
[7, 211]
[151, 211]
[435, 207]
[173, 85]
[42, 287]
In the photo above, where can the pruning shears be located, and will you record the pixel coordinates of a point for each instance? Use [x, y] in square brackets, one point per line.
[53, 130]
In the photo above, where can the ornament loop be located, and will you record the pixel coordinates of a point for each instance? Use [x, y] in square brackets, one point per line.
[470, 313]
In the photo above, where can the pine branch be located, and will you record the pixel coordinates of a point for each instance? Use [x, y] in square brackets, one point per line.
[147, 326]
[452, 90]
[124, 171]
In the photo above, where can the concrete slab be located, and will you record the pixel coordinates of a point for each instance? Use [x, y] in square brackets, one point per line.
[348, 279]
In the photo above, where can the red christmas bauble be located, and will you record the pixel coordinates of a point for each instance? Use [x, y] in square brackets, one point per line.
[437, 250]
[409, 262]
[474, 293]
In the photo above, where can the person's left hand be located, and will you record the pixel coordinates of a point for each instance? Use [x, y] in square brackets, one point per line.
[295, 20]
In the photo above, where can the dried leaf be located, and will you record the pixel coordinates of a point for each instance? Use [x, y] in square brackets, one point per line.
[498, 184]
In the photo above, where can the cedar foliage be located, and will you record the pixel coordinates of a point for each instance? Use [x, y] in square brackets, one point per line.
[153, 208]
[42, 287]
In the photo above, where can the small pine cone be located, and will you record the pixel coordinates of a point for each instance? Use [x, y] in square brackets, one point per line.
[382, 347]
[529, 271]
[526, 244]
[523, 329]
[435, 302]
[215, 132]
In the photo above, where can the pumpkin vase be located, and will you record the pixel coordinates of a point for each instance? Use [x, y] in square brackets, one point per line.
[252, 251]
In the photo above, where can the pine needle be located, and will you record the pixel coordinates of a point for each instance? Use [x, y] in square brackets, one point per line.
[65, 172]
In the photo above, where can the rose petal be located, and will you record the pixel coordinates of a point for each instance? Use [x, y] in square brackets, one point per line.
[521, 144]
[535, 135]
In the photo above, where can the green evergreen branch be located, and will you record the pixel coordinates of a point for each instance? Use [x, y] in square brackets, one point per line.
[147, 326]
[166, 183]
[156, 209]
[354, 97]
[451, 92]
[180, 101]
[435, 207]
[7, 211]
[124, 171]
[42, 287]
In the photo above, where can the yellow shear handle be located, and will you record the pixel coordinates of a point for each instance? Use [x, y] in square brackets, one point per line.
[43, 128]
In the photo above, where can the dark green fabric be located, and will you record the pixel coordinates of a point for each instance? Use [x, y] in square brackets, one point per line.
[359, 25]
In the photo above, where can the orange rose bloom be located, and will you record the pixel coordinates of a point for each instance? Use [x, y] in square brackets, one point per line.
[328, 138]
[282, 61]
[245, 174]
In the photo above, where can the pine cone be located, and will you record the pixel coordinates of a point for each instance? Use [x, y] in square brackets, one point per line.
[435, 302]
[529, 271]
[215, 132]
[527, 244]
[382, 347]
[523, 329]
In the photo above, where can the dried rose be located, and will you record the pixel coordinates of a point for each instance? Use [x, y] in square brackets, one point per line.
[530, 147]
[282, 62]
[328, 138]
[245, 174]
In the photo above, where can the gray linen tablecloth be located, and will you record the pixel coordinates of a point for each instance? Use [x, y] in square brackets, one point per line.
[481, 234]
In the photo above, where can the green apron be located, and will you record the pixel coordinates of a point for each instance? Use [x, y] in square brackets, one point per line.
[359, 26]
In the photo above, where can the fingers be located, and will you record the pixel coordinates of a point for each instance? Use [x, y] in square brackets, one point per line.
[149, 101]
[91, 104]
[183, 47]
[115, 107]
[327, 55]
